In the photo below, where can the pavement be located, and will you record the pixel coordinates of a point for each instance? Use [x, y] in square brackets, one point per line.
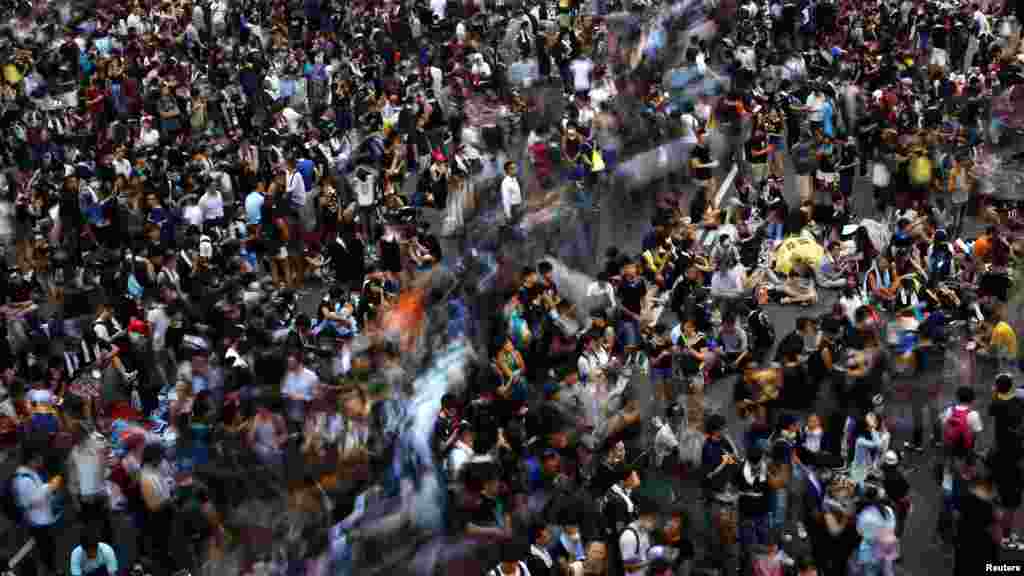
[622, 221]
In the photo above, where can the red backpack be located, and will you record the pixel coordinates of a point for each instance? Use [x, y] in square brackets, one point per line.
[958, 434]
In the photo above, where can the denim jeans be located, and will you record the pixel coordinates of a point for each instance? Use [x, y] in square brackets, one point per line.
[753, 532]
[629, 331]
[777, 512]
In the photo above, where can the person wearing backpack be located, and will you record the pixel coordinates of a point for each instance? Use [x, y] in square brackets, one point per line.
[33, 501]
[961, 425]
[634, 542]
[616, 505]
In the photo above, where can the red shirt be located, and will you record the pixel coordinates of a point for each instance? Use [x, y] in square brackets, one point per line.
[94, 93]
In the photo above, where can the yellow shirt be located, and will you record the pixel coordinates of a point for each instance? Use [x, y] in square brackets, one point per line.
[1004, 339]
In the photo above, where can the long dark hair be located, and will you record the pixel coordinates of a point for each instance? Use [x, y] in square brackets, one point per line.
[873, 498]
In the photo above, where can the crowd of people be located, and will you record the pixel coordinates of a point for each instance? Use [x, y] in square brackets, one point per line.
[232, 341]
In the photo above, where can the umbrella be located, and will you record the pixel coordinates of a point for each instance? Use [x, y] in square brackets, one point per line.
[798, 248]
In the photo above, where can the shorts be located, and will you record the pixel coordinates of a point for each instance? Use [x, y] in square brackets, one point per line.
[778, 141]
[759, 172]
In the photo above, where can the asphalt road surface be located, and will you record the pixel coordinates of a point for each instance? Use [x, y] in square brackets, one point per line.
[622, 221]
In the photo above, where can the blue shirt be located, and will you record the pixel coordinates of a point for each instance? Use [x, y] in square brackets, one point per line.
[307, 169]
[826, 119]
[253, 207]
[81, 564]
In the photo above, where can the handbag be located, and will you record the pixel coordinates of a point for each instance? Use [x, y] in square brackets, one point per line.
[597, 161]
[880, 175]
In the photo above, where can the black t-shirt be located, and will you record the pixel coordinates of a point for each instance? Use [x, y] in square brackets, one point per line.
[632, 294]
[702, 154]
[939, 35]
[486, 515]
[757, 143]
[895, 485]
[1007, 416]
[976, 518]
[797, 391]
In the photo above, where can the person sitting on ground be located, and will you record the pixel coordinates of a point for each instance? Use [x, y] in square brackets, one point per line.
[799, 287]
[831, 274]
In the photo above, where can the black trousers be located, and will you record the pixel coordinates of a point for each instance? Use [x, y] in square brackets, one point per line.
[94, 514]
[46, 549]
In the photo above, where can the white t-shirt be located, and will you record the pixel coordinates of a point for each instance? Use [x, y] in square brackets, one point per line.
[296, 189]
[634, 544]
[689, 128]
[438, 7]
[816, 105]
[982, 23]
[747, 57]
[212, 205]
[300, 384]
[150, 137]
[973, 419]
[511, 195]
[122, 167]
[291, 118]
[581, 70]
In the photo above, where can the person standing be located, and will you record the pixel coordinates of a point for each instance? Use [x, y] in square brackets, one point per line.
[511, 195]
[36, 499]
[977, 530]
[87, 472]
[635, 540]
[299, 388]
[93, 557]
[295, 189]
[1007, 411]
[752, 483]
[158, 508]
[719, 459]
